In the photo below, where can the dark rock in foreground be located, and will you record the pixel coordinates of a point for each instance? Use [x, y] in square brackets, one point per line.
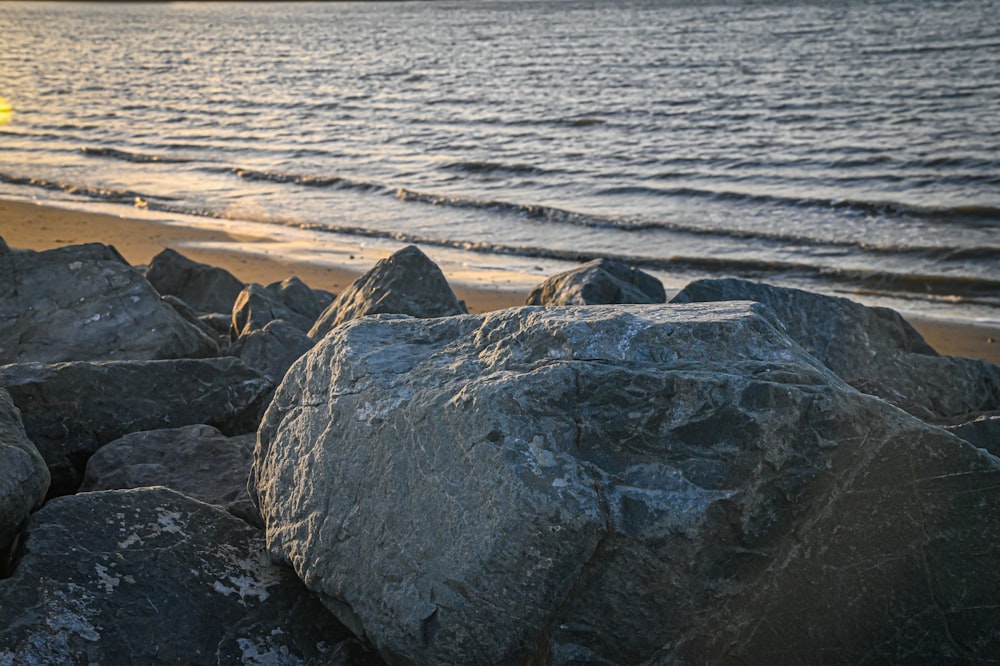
[71, 409]
[599, 282]
[203, 287]
[151, 576]
[407, 282]
[24, 478]
[196, 460]
[614, 484]
[873, 349]
[83, 303]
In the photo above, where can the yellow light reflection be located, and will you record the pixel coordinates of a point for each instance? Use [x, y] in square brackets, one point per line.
[6, 112]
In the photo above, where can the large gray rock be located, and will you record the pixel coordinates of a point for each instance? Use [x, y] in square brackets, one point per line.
[272, 349]
[83, 303]
[203, 287]
[196, 460]
[291, 300]
[872, 348]
[154, 577]
[71, 409]
[602, 484]
[407, 282]
[24, 478]
[598, 282]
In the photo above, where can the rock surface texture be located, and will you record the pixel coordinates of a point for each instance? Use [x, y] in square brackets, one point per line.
[203, 287]
[153, 577]
[83, 303]
[599, 282]
[680, 484]
[873, 349]
[272, 349]
[258, 305]
[983, 433]
[407, 282]
[24, 478]
[71, 409]
[196, 460]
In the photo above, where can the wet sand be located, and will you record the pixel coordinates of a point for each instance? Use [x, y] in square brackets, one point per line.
[38, 227]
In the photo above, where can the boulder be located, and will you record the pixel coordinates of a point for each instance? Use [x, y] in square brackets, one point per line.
[290, 300]
[199, 321]
[72, 409]
[4, 248]
[599, 282]
[982, 432]
[24, 478]
[196, 460]
[203, 287]
[272, 349]
[407, 282]
[872, 348]
[154, 577]
[83, 303]
[601, 484]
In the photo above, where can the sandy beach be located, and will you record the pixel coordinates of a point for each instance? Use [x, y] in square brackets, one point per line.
[39, 227]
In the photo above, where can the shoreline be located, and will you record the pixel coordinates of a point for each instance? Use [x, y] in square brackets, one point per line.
[259, 258]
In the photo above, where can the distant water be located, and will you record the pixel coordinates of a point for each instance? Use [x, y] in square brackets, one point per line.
[849, 147]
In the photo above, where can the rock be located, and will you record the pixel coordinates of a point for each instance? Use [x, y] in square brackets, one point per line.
[407, 282]
[153, 577]
[196, 460]
[4, 248]
[193, 318]
[873, 349]
[273, 349]
[983, 432]
[599, 282]
[71, 409]
[290, 300]
[84, 303]
[24, 478]
[299, 297]
[219, 323]
[602, 484]
[203, 287]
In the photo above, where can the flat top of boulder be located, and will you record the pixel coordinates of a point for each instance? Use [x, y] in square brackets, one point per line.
[407, 282]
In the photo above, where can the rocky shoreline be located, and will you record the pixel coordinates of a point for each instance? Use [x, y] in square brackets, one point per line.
[194, 469]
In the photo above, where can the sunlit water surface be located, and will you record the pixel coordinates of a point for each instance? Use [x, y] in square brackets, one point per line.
[852, 148]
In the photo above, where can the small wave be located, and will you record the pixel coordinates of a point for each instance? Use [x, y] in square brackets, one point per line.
[493, 167]
[128, 156]
[98, 193]
[339, 182]
[969, 213]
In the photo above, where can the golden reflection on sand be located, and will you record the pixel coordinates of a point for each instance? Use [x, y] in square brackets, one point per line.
[6, 112]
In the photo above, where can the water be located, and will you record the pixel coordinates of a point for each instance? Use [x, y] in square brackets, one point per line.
[850, 149]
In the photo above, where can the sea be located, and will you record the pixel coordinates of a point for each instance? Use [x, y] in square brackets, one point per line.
[850, 148]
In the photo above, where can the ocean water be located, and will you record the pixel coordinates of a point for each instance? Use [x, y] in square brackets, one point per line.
[851, 148]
